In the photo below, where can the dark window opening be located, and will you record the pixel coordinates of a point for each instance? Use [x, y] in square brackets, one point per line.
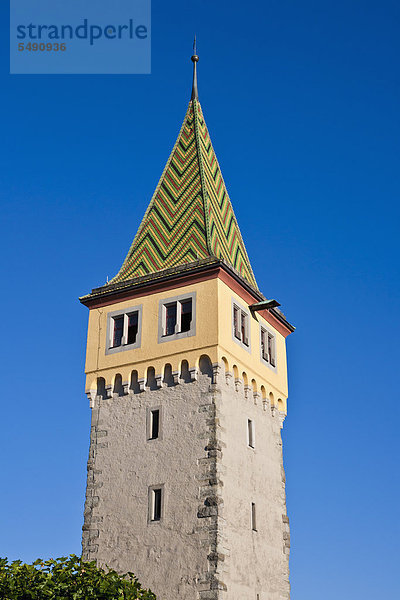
[271, 352]
[236, 317]
[243, 326]
[178, 317]
[186, 315]
[118, 331]
[244, 329]
[133, 323]
[253, 517]
[240, 325]
[156, 516]
[263, 345]
[154, 424]
[170, 324]
[250, 433]
[268, 347]
[124, 330]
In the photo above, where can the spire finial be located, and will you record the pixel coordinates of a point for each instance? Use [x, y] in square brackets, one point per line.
[195, 59]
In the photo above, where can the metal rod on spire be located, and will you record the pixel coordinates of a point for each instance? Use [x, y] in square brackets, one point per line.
[195, 60]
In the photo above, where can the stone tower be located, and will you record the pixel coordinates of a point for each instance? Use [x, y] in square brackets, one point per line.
[187, 381]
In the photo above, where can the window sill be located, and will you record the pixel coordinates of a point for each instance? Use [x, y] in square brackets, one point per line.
[176, 336]
[122, 348]
[242, 344]
[268, 364]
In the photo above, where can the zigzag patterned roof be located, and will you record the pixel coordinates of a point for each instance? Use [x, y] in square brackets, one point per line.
[190, 215]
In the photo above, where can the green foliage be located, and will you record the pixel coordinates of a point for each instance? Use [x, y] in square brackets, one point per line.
[66, 578]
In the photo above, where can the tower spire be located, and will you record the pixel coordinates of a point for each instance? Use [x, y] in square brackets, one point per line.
[190, 216]
[195, 59]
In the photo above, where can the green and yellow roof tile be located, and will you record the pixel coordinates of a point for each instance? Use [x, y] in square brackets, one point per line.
[190, 216]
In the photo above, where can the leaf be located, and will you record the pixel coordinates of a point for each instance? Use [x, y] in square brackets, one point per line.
[67, 578]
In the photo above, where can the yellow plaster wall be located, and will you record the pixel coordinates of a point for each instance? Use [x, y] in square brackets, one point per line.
[250, 362]
[151, 353]
[213, 337]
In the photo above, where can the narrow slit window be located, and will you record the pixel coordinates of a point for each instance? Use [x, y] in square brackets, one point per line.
[118, 331]
[253, 517]
[186, 315]
[250, 433]
[154, 424]
[156, 504]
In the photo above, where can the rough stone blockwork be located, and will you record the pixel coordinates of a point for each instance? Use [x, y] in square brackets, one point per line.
[203, 547]
[90, 529]
[211, 496]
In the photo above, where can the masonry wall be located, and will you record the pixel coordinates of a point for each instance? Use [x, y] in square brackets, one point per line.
[258, 561]
[204, 547]
[169, 556]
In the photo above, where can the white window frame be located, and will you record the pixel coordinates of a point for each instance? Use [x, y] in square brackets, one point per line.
[272, 364]
[125, 313]
[162, 318]
[243, 312]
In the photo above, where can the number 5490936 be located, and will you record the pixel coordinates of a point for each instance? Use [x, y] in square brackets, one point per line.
[42, 47]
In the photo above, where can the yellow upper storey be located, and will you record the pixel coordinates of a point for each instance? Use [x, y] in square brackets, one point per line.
[213, 305]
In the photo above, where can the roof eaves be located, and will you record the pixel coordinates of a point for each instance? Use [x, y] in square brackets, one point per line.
[198, 266]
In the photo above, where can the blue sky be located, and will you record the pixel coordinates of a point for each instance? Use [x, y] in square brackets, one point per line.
[301, 100]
